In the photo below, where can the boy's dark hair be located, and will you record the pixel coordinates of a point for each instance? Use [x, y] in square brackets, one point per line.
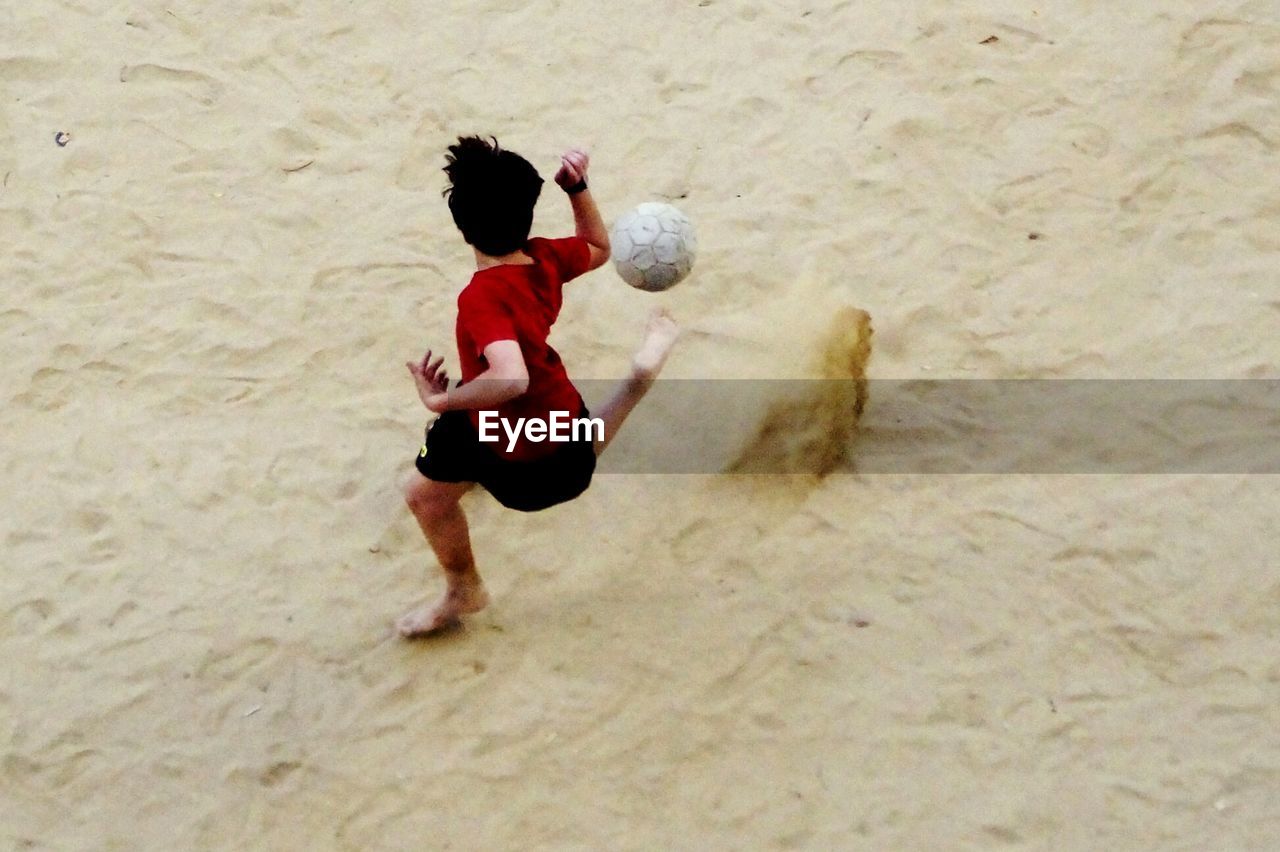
[491, 194]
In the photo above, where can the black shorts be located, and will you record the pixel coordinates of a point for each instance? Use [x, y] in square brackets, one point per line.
[452, 452]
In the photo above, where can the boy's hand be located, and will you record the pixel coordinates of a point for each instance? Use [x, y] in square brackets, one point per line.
[573, 168]
[432, 381]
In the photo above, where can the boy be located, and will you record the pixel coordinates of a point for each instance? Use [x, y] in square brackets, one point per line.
[508, 370]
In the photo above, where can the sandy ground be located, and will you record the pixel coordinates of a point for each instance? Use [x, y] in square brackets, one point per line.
[210, 293]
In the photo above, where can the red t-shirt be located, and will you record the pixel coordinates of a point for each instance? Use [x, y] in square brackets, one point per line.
[520, 302]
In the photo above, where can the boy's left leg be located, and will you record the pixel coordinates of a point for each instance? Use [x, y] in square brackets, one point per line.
[435, 506]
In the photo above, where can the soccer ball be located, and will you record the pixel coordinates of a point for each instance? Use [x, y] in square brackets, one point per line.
[653, 246]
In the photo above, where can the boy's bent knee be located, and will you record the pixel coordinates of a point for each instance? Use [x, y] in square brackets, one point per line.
[427, 498]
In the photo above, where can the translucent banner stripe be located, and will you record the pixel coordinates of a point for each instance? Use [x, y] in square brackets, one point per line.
[949, 426]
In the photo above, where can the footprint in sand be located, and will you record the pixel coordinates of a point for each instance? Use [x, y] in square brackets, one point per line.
[193, 84]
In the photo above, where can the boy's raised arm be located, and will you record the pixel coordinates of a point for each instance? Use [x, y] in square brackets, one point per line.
[572, 178]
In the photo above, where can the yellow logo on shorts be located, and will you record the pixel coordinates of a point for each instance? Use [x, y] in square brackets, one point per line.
[422, 453]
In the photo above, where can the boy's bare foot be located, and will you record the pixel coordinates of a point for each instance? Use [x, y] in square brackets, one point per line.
[457, 601]
[660, 335]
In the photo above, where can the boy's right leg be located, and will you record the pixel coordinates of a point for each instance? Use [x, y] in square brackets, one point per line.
[436, 507]
[660, 335]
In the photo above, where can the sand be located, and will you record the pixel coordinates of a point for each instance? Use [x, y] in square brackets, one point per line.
[211, 291]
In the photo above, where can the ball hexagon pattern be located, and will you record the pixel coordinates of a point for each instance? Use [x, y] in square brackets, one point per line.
[654, 246]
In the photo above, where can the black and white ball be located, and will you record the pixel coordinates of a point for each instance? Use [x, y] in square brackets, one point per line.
[654, 246]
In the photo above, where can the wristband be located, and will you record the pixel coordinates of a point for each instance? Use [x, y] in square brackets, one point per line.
[580, 186]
